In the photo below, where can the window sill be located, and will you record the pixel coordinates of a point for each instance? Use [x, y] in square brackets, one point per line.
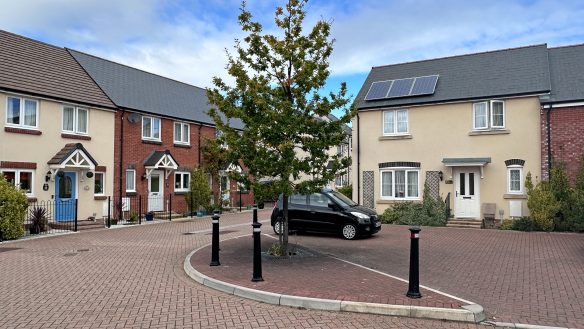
[515, 196]
[74, 136]
[147, 141]
[25, 131]
[100, 197]
[489, 132]
[385, 138]
[392, 201]
[186, 146]
[181, 192]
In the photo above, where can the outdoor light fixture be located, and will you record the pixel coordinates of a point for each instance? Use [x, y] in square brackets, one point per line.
[89, 174]
[48, 176]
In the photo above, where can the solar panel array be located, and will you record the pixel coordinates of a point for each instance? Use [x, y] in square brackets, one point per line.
[402, 87]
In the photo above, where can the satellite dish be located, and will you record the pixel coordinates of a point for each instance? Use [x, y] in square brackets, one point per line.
[133, 117]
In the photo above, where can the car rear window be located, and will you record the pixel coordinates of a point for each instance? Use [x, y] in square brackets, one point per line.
[318, 200]
[298, 199]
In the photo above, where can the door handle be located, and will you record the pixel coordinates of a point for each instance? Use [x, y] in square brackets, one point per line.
[457, 194]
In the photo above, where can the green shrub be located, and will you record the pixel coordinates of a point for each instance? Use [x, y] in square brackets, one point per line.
[523, 224]
[13, 204]
[347, 191]
[542, 204]
[507, 224]
[431, 212]
[198, 196]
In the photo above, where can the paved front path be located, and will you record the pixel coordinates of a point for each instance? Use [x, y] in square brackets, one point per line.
[521, 277]
[134, 278]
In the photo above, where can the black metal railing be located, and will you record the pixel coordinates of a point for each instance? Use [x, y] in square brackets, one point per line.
[135, 209]
[48, 217]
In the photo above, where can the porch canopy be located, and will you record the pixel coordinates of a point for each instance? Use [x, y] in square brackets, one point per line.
[466, 162]
[73, 156]
[158, 160]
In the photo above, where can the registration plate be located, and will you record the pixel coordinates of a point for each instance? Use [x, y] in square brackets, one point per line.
[378, 224]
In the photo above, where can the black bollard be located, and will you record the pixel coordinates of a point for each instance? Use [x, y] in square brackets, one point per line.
[414, 285]
[215, 240]
[257, 247]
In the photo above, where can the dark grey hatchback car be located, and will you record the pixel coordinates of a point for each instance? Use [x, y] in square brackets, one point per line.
[326, 211]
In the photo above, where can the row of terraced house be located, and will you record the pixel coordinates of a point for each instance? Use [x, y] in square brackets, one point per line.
[466, 128]
[79, 127]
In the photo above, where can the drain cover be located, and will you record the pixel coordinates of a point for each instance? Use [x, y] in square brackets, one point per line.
[221, 232]
[70, 254]
[82, 250]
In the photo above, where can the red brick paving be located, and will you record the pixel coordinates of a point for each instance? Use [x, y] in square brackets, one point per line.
[521, 277]
[133, 278]
[313, 275]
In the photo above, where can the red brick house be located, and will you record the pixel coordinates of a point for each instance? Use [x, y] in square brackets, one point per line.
[159, 129]
[562, 111]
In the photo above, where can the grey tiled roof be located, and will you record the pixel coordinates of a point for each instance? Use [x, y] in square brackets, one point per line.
[139, 90]
[567, 73]
[41, 69]
[517, 71]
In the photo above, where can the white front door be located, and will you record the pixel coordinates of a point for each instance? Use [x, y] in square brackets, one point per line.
[466, 192]
[156, 191]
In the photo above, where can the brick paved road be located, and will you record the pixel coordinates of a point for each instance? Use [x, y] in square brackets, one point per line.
[533, 278]
[133, 278]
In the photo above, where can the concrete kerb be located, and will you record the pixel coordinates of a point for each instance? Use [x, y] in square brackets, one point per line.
[519, 325]
[470, 313]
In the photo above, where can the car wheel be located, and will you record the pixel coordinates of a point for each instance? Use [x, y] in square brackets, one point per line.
[278, 226]
[349, 231]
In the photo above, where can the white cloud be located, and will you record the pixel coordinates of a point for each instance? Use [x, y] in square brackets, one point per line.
[186, 40]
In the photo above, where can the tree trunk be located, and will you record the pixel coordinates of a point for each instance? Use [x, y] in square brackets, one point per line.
[284, 236]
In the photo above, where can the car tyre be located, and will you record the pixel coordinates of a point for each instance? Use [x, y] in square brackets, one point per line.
[278, 226]
[349, 231]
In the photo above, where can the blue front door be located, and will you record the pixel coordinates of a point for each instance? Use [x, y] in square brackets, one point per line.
[65, 195]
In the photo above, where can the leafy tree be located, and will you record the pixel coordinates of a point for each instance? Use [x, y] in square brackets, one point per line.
[13, 204]
[199, 191]
[214, 160]
[574, 212]
[278, 80]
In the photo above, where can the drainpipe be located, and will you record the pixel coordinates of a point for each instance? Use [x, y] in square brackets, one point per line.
[358, 162]
[549, 140]
[121, 155]
[200, 127]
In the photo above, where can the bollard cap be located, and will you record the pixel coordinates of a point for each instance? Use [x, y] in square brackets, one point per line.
[415, 229]
[215, 215]
[254, 206]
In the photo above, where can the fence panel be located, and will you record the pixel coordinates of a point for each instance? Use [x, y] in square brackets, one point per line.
[40, 217]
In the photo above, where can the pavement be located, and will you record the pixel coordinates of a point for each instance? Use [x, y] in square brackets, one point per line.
[134, 277]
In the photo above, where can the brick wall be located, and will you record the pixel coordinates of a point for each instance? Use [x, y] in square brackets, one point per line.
[567, 138]
[136, 151]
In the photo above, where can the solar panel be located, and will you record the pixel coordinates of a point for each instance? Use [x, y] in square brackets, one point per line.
[424, 85]
[378, 90]
[401, 87]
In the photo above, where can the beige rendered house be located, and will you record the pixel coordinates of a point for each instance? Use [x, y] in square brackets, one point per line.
[57, 139]
[465, 127]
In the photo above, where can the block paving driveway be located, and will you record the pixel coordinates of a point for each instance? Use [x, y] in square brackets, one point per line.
[134, 278]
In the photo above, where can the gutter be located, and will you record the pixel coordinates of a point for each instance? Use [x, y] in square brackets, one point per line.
[549, 140]
[121, 155]
[358, 162]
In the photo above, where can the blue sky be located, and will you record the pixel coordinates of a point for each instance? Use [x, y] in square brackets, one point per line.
[186, 40]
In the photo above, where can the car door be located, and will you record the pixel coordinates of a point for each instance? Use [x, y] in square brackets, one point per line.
[297, 212]
[322, 217]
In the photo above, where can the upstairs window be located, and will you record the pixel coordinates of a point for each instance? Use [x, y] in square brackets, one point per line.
[395, 122]
[151, 128]
[489, 115]
[75, 120]
[22, 112]
[181, 133]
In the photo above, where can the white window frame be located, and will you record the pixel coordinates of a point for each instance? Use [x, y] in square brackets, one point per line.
[521, 179]
[22, 112]
[102, 183]
[76, 111]
[395, 123]
[133, 171]
[17, 178]
[152, 128]
[182, 174]
[489, 115]
[393, 170]
[182, 125]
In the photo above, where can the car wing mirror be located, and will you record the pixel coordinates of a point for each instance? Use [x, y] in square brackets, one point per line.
[332, 206]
